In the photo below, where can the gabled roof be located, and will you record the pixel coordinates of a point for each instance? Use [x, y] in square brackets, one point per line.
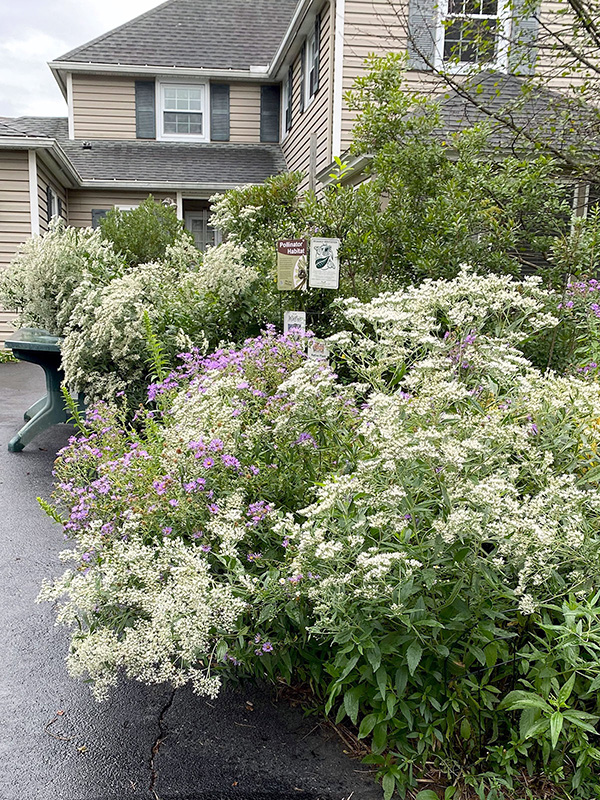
[210, 34]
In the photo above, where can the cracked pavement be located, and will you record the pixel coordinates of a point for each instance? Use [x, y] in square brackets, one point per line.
[57, 743]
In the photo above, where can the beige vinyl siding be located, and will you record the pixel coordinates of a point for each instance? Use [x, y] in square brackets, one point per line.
[557, 67]
[370, 26]
[45, 180]
[82, 202]
[103, 107]
[244, 112]
[316, 119]
[15, 216]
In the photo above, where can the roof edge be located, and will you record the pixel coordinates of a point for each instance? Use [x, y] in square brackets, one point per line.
[90, 67]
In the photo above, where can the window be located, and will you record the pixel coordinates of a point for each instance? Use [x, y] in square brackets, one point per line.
[53, 204]
[183, 111]
[311, 57]
[474, 32]
[288, 89]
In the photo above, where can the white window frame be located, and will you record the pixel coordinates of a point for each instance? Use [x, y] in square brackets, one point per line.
[285, 95]
[310, 45]
[163, 84]
[127, 207]
[465, 67]
[53, 211]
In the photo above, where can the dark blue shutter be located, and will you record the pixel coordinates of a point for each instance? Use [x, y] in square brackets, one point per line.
[145, 109]
[422, 24]
[97, 214]
[270, 100]
[302, 76]
[219, 112]
[522, 52]
[314, 75]
[48, 203]
[290, 98]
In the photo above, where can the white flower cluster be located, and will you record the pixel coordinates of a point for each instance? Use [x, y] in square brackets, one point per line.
[173, 611]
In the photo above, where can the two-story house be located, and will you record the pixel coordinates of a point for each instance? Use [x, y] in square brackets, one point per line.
[197, 96]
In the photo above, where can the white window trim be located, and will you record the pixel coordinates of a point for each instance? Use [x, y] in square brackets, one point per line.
[466, 67]
[182, 137]
[127, 207]
[308, 97]
[284, 104]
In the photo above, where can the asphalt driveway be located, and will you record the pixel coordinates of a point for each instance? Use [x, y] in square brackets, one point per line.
[57, 743]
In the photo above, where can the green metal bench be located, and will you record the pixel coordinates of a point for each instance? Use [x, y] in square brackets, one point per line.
[39, 347]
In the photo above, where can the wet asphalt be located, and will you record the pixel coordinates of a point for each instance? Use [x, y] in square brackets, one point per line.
[58, 743]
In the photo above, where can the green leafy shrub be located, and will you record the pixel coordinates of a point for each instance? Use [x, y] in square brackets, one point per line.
[143, 234]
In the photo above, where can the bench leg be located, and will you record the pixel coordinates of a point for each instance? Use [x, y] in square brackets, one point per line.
[52, 413]
[35, 408]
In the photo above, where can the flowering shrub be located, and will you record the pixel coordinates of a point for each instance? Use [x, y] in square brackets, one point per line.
[172, 522]
[42, 280]
[419, 542]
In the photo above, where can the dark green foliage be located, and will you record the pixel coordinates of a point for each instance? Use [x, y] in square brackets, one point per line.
[143, 234]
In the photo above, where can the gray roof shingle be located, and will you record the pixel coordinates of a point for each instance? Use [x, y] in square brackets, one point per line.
[175, 162]
[518, 111]
[154, 162]
[214, 34]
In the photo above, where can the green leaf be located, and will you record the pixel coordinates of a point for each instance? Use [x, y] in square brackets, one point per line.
[556, 724]
[413, 656]
[388, 784]
[427, 794]
[535, 729]
[366, 726]
[465, 729]
[491, 654]
[379, 737]
[450, 792]
[520, 699]
[351, 702]
[566, 689]
[381, 678]
[374, 657]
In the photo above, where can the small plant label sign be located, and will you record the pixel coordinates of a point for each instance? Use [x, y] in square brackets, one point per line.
[294, 322]
[317, 350]
[324, 270]
[292, 270]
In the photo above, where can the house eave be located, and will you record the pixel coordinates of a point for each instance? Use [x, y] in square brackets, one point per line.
[61, 68]
[175, 186]
[293, 28]
[25, 142]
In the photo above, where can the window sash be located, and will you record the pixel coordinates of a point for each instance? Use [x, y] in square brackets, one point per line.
[183, 111]
[473, 32]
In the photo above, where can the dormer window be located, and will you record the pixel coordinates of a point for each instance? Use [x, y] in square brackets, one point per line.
[183, 111]
[474, 32]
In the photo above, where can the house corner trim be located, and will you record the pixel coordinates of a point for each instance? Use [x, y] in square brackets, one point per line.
[71, 112]
[338, 79]
[33, 194]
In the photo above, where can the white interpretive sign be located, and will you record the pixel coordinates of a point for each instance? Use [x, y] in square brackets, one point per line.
[294, 322]
[324, 271]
